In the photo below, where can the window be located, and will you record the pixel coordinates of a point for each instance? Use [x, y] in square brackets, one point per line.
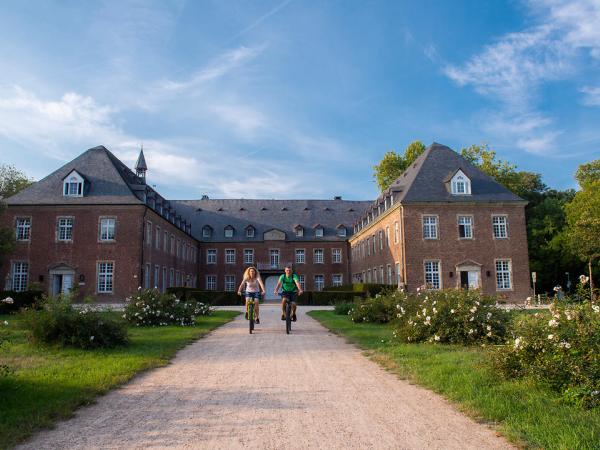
[319, 232]
[230, 283]
[211, 282]
[228, 232]
[107, 229]
[149, 233]
[374, 274]
[274, 257]
[248, 256]
[380, 239]
[229, 256]
[336, 255]
[206, 231]
[166, 242]
[172, 244]
[499, 226]
[387, 236]
[389, 274]
[318, 256]
[23, 232]
[465, 227]
[147, 277]
[300, 256]
[65, 228]
[503, 274]
[368, 275]
[156, 277]
[299, 231]
[301, 279]
[432, 274]
[336, 279]
[374, 244]
[178, 248]
[157, 239]
[342, 231]
[164, 280]
[73, 185]
[211, 256]
[398, 275]
[171, 277]
[396, 233]
[19, 276]
[177, 278]
[250, 232]
[381, 280]
[319, 282]
[461, 185]
[105, 277]
[430, 227]
[368, 246]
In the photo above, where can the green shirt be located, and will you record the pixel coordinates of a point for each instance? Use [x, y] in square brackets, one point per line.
[288, 284]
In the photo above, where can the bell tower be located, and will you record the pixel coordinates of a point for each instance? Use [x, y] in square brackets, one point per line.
[140, 165]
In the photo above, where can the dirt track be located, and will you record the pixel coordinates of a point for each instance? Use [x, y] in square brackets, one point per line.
[269, 391]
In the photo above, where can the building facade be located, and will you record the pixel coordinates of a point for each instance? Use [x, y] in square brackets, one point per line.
[96, 226]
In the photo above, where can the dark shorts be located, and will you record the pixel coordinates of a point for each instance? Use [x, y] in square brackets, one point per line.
[291, 295]
[255, 295]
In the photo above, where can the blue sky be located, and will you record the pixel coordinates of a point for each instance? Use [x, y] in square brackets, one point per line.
[297, 98]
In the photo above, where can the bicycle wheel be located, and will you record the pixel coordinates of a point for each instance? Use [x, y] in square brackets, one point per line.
[288, 317]
[251, 316]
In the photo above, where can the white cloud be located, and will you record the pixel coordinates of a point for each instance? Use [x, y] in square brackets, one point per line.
[591, 95]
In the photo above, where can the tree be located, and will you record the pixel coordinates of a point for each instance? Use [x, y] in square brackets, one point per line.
[583, 217]
[392, 165]
[12, 181]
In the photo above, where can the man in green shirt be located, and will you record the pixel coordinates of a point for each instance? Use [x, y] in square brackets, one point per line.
[290, 284]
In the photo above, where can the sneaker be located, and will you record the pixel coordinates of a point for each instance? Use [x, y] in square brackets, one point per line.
[283, 317]
[293, 317]
[257, 320]
[246, 315]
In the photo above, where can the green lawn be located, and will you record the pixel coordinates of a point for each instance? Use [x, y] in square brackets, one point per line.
[526, 413]
[50, 383]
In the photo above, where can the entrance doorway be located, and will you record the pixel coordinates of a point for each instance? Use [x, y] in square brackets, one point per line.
[470, 275]
[61, 279]
[270, 284]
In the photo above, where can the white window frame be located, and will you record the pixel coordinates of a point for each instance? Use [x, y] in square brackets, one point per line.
[211, 282]
[380, 240]
[156, 276]
[73, 185]
[430, 226]
[389, 274]
[230, 256]
[206, 231]
[20, 275]
[105, 280]
[503, 274]
[157, 238]
[274, 257]
[319, 232]
[23, 229]
[64, 231]
[148, 232]
[460, 179]
[299, 232]
[342, 232]
[466, 221]
[336, 280]
[319, 282]
[211, 256]
[229, 283]
[300, 255]
[318, 256]
[228, 232]
[165, 282]
[171, 277]
[166, 241]
[500, 227]
[302, 281]
[147, 276]
[432, 270]
[250, 232]
[336, 255]
[105, 225]
[248, 260]
[396, 232]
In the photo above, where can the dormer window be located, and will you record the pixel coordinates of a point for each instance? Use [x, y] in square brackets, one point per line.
[206, 231]
[73, 185]
[299, 231]
[250, 231]
[228, 231]
[341, 230]
[460, 184]
[319, 231]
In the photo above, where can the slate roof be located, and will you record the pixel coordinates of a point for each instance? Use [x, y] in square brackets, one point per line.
[265, 215]
[107, 181]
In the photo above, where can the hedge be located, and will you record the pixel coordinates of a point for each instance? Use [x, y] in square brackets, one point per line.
[221, 298]
[371, 289]
[24, 299]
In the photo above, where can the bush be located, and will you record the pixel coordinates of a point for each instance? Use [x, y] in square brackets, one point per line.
[378, 309]
[214, 298]
[59, 323]
[343, 309]
[316, 298]
[452, 316]
[150, 307]
[4, 369]
[369, 289]
[562, 350]
[18, 300]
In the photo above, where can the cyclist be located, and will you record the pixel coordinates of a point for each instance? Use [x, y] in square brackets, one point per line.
[290, 283]
[254, 288]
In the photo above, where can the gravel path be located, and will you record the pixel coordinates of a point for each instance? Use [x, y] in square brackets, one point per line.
[269, 391]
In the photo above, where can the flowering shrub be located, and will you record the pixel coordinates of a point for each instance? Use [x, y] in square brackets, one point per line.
[151, 308]
[451, 316]
[59, 323]
[378, 309]
[343, 309]
[562, 350]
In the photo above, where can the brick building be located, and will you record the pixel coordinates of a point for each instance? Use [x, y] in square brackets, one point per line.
[96, 225]
[442, 224]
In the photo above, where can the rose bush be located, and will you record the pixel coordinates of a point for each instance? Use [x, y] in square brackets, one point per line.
[378, 309]
[150, 307]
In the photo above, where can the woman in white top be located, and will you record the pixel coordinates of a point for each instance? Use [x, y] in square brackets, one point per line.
[254, 288]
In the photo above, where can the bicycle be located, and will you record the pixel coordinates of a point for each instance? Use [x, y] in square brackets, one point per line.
[288, 313]
[250, 314]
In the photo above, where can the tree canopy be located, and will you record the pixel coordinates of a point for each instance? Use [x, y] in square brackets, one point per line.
[12, 180]
[393, 164]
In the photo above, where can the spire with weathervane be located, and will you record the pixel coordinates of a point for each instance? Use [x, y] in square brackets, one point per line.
[140, 165]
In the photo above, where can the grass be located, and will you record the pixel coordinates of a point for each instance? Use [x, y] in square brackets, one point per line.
[49, 383]
[526, 413]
